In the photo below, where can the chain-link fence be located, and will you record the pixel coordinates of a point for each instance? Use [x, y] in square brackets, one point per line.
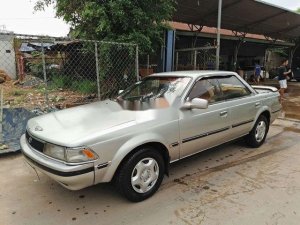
[44, 72]
[150, 63]
[200, 58]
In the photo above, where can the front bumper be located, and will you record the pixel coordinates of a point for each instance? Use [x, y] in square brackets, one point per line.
[73, 177]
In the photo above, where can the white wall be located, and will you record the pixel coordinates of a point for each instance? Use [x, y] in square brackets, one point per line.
[7, 55]
[273, 59]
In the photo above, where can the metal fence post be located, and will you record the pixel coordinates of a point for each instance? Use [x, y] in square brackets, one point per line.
[137, 63]
[148, 62]
[195, 59]
[1, 106]
[218, 35]
[45, 74]
[176, 61]
[97, 70]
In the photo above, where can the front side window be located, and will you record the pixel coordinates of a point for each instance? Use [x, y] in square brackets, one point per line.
[153, 92]
[232, 87]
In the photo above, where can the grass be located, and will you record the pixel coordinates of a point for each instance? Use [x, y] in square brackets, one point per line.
[84, 86]
[40, 89]
[61, 89]
[63, 82]
[16, 96]
[18, 92]
[58, 82]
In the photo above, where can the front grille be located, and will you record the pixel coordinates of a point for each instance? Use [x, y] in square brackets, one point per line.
[34, 143]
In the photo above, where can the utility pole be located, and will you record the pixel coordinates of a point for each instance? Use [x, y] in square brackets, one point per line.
[218, 35]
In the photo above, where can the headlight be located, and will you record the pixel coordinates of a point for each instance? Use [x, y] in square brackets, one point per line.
[70, 155]
[80, 155]
[54, 151]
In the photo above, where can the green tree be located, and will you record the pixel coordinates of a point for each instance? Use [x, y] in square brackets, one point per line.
[136, 21]
[298, 10]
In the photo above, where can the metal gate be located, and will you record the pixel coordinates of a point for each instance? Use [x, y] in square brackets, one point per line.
[200, 58]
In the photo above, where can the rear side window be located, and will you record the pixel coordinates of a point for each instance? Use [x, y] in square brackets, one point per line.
[232, 87]
[207, 88]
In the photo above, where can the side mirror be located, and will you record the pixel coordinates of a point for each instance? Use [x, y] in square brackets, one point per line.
[196, 103]
[120, 91]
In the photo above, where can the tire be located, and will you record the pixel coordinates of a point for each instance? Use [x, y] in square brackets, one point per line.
[259, 132]
[141, 174]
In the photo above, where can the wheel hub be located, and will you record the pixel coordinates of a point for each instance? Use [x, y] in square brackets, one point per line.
[260, 131]
[144, 175]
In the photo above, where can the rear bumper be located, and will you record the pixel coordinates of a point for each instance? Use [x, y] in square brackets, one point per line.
[274, 115]
[73, 177]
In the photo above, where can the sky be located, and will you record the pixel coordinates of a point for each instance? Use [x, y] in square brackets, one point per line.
[19, 17]
[289, 4]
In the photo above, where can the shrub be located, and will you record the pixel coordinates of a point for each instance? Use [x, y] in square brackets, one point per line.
[37, 70]
[59, 81]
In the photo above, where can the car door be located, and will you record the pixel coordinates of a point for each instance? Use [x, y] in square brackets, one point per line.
[204, 128]
[243, 105]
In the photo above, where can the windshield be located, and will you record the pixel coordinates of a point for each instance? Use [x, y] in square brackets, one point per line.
[153, 92]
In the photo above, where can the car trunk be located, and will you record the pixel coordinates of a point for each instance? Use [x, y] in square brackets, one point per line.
[264, 89]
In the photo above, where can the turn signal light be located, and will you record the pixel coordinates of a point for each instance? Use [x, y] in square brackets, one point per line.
[89, 153]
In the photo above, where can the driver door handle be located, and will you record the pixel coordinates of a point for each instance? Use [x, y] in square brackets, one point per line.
[223, 114]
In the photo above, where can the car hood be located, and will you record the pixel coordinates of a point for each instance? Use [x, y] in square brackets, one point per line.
[70, 127]
[91, 123]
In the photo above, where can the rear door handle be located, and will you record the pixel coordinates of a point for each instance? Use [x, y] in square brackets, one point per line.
[223, 114]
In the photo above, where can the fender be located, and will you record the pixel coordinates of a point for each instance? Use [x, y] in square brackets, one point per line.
[128, 147]
[259, 112]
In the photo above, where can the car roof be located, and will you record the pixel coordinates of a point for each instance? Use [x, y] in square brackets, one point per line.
[195, 73]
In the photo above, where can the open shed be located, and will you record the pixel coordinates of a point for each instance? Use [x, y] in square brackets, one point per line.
[249, 16]
[242, 17]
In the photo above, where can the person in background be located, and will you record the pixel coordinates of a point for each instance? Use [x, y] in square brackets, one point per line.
[257, 70]
[289, 76]
[282, 74]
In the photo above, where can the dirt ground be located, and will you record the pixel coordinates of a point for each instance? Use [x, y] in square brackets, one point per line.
[291, 102]
[32, 97]
[231, 184]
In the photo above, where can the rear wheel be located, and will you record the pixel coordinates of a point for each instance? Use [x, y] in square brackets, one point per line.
[258, 134]
[141, 174]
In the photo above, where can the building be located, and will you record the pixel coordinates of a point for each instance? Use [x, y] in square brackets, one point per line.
[7, 55]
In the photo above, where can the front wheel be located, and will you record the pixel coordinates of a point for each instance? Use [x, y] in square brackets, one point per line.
[141, 174]
[258, 134]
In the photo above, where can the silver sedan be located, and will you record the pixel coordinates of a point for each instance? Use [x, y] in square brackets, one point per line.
[132, 139]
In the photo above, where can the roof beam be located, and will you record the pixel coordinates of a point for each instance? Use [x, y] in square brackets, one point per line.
[195, 27]
[215, 11]
[231, 38]
[196, 49]
[240, 35]
[284, 30]
[247, 26]
[271, 40]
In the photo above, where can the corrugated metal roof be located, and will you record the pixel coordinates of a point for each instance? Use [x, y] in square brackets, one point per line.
[34, 46]
[25, 48]
[250, 16]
